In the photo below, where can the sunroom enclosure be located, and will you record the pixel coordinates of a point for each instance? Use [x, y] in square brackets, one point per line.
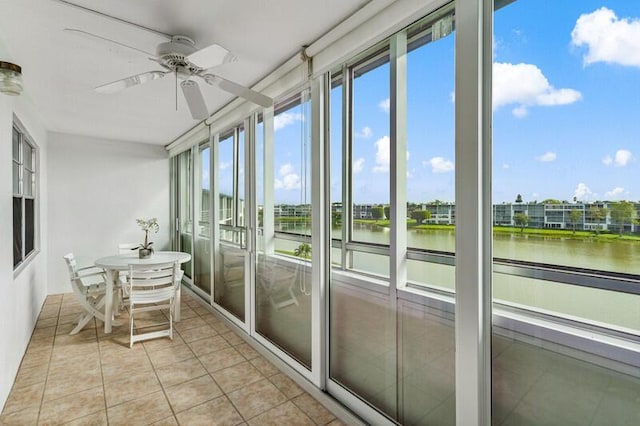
[404, 324]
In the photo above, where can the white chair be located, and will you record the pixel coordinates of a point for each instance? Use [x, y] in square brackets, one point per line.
[278, 283]
[124, 248]
[152, 287]
[89, 286]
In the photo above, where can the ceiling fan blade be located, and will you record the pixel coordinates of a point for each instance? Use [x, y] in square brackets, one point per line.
[91, 36]
[211, 56]
[238, 90]
[195, 101]
[134, 80]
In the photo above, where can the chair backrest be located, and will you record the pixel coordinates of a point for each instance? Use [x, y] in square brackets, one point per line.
[72, 268]
[125, 248]
[72, 265]
[149, 276]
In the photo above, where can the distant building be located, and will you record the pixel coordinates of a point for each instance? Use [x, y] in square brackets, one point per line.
[541, 215]
[441, 213]
[558, 216]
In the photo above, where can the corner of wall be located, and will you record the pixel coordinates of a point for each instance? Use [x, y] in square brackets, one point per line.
[21, 296]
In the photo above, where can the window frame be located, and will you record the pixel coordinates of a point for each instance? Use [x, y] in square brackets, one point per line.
[25, 138]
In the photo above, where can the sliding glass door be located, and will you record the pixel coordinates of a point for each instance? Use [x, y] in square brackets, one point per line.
[230, 228]
[184, 232]
[283, 274]
[202, 227]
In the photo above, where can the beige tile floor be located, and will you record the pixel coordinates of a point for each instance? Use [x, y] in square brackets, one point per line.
[207, 375]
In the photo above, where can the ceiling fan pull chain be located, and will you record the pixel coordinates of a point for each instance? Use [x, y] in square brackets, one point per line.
[175, 72]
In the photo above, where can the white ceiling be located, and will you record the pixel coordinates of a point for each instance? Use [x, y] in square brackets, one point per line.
[61, 69]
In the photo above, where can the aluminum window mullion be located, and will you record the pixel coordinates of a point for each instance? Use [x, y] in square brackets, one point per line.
[320, 227]
[398, 157]
[473, 62]
[398, 200]
[235, 214]
[346, 260]
[268, 226]
[249, 220]
[214, 203]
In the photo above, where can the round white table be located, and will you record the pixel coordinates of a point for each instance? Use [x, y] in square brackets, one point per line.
[113, 264]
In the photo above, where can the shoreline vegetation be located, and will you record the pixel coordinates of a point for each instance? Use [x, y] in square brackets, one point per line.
[513, 230]
[503, 230]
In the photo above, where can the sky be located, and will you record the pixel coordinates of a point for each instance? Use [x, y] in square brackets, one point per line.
[566, 103]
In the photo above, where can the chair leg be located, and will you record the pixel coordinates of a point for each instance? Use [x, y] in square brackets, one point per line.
[130, 326]
[94, 307]
[171, 308]
[176, 303]
[84, 320]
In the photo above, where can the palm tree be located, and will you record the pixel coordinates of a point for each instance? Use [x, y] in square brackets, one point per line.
[303, 250]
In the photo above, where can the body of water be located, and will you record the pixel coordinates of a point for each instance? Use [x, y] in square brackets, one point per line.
[592, 305]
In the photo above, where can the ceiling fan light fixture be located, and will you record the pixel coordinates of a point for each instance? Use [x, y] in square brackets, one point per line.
[10, 79]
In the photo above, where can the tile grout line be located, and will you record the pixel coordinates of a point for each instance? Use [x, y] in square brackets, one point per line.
[104, 386]
[205, 316]
[533, 385]
[155, 372]
[46, 378]
[595, 411]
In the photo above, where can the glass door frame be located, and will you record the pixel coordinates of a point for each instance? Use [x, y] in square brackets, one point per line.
[196, 205]
[176, 220]
[248, 126]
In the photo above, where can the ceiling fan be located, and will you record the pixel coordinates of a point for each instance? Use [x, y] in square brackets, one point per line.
[180, 57]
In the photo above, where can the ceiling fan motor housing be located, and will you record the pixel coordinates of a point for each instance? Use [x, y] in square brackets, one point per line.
[173, 55]
[179, 45]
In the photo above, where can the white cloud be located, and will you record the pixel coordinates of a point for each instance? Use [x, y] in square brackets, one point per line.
[621, 158]
[358, 165]
[520, 111]
[608, 38]
[366, 132]
[547, 157]
[224, 165]
[385, 105]
[281, 121]
[440, 165]
[289, 179]
[382, 155]
[286, 169]
[505, 166]
[615, 193]
[525, 85]
[583, 193]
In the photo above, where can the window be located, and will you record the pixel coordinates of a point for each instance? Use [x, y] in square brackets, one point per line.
[24, 164]
[567, 244]
[370, 150]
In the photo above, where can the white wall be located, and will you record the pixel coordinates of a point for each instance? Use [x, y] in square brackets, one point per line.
[22, 296]
[97, 189]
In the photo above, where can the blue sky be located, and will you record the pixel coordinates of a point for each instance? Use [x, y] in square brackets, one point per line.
[579, 136]
[566, 112]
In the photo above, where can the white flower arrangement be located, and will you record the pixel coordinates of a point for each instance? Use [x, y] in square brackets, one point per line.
[147, 226]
